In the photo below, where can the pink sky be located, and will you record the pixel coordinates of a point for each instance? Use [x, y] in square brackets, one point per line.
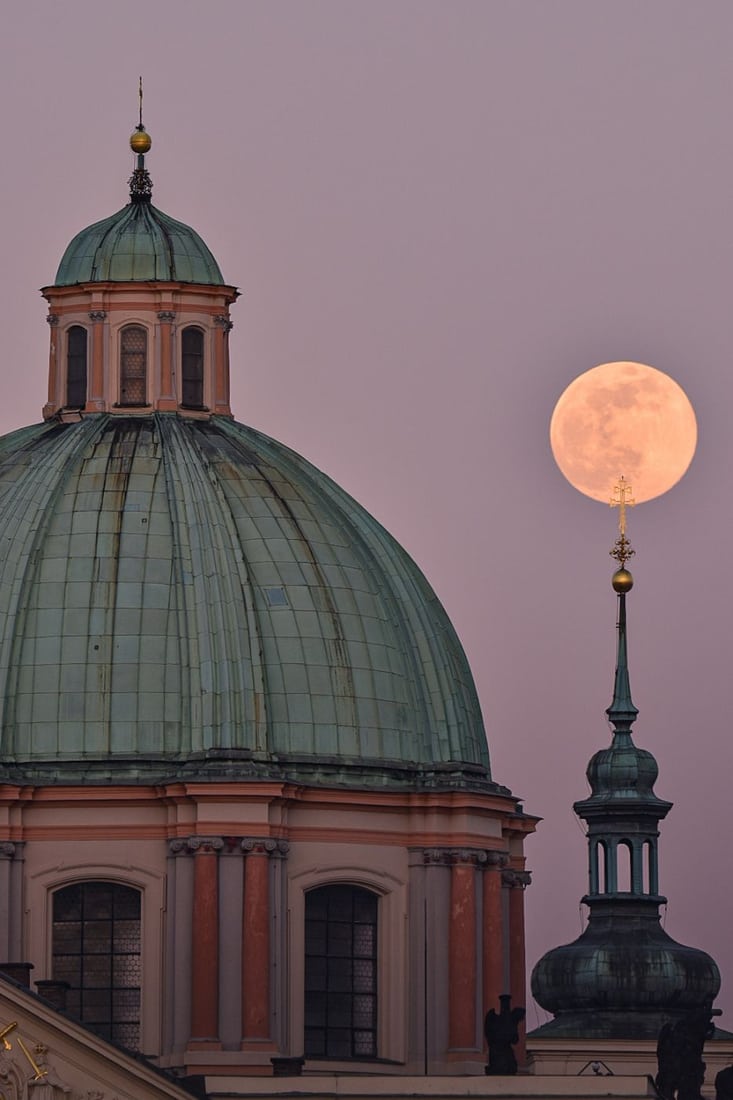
[438, 215]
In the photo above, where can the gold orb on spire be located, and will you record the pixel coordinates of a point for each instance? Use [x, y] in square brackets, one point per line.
[141, 141]
[622, 581]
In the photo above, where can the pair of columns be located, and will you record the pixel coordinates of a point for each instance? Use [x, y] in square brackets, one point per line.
[499, 937]
[205, 931]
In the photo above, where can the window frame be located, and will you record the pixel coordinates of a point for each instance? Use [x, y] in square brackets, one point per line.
[201, 366]
[341, 973]
[126, 380]
[386, 874]
[123, 1029]
[77, 357]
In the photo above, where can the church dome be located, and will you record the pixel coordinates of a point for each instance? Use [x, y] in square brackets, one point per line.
[186, 597]
[138, 244]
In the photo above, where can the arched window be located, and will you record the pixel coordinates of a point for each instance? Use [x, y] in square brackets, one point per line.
[340, 973]
[96, 949]
[623, 856]
[133, 365]
[76, 367]
[192, 368]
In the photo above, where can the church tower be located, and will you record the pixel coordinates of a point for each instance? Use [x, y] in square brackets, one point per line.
[624, 976]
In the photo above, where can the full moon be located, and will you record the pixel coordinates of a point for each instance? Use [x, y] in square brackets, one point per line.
[623, 420]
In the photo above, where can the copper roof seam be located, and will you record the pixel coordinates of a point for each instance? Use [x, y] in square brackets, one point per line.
[341, 670]
[217, 508]
[193, 498]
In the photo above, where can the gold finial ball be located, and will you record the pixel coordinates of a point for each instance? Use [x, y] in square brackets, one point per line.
[140, 142]
[622, 581]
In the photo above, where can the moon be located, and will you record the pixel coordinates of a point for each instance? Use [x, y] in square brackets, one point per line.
[623, 420]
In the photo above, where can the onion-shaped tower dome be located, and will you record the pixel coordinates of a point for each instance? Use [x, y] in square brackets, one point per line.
[624, 976]
[181, 596]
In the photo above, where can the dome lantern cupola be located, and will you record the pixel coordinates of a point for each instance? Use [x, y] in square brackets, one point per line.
[139, 314]
[624, 976]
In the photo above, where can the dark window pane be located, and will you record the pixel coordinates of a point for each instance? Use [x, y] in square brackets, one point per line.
[67, 904]
[340, 973]
[338, 1042]
[192, 368]
[339, 940]
[76, 367]
[314, 1041]
[315, 937]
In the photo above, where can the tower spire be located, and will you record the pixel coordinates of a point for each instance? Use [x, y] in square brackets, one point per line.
[622, 711]
[141, 185]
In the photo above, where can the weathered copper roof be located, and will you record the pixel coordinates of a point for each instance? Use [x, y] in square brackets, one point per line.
[182, 597]
[138, 243]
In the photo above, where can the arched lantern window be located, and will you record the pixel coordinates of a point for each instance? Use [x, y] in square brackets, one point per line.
[96, 949]
[340, 972]
[133, 365]
[192, 368]
[76, 367]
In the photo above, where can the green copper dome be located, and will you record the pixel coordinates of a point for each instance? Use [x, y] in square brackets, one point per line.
[183, 598]
[138, 244]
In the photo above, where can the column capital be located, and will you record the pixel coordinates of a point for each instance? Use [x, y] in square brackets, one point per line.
[263, 846]
[204, 844]
[496, 861]
[223, 321]
[167, 316]
[187, 845]
[449, 857]
[516, 879]
[97, 315]
[52, 319]
[7, 849]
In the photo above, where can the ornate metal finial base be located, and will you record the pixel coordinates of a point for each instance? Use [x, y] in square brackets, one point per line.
[622, 550]
[141, 185]
[622, 499]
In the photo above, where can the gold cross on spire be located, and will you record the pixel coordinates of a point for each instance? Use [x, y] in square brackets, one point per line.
[622, 499]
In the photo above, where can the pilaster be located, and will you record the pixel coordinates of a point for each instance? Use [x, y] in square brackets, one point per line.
[256, 943]
[205, 942]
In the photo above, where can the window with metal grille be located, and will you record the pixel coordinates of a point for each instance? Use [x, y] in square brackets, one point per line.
[340, 972]
[76, 367]
[133, 365]
[192, 368]
[96, 949]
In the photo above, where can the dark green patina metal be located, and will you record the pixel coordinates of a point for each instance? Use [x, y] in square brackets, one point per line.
[624, 976]
[138, 244]
[185, 598]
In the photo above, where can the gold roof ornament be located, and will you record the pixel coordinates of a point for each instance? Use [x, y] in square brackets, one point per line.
[622, 549]
[140, 141]
[141, 185]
